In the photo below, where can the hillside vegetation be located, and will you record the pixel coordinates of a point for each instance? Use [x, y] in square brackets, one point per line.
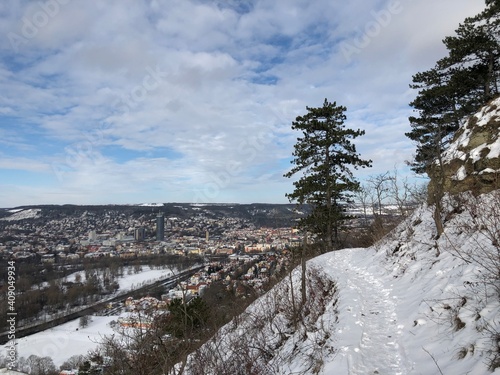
[411, 304]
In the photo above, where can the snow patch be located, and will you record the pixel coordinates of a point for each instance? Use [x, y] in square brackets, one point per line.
[33, 213]
[461, 174]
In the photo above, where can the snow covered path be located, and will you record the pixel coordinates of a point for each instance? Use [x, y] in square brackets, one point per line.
[368, 335]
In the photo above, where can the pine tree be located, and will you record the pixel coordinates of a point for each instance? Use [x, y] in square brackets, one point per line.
[457, 86]
[325, 155]
[437, 118]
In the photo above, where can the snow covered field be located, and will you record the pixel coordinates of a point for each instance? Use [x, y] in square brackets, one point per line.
[66, 340]
[131, 280]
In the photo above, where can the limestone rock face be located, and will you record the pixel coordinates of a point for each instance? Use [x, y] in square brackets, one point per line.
[472, 160]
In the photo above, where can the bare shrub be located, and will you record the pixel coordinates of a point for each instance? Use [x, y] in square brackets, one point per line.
[465, 350]
[35, 365]
[72, 362]
[267, 337]
[386, 200]
[482, 228]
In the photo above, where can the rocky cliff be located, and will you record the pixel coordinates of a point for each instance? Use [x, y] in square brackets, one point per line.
[472, 160]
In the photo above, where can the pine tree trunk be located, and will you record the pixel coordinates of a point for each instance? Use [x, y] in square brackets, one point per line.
[438, 197]
[437, 218]
[329, 243]
[487, 90]
[303, 278]
[294, 305]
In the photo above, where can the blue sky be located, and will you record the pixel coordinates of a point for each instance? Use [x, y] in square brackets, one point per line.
[132, 101]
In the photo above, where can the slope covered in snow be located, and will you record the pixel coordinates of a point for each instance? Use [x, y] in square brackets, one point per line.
[411, 304]
[21, 214]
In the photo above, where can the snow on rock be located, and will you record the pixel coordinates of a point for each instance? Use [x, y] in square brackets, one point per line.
[461, 174]
[473, 156]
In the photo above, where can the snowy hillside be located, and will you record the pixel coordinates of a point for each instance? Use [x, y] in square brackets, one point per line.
[20, 214]
[412, 304]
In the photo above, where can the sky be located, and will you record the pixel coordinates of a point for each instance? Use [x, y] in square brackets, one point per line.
[134, 101]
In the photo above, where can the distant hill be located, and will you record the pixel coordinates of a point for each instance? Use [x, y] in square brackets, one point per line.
[260, 214]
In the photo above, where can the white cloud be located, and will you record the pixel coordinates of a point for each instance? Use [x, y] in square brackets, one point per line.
[212, 85]
[24, 164]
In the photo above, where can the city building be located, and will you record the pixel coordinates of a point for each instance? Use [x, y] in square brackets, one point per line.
[160, 227]
[139, 234]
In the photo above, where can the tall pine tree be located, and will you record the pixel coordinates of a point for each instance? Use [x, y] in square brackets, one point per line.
[325, 154]
[457, 86]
